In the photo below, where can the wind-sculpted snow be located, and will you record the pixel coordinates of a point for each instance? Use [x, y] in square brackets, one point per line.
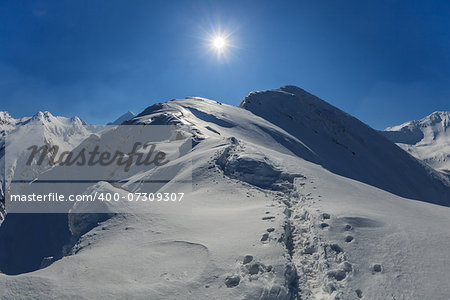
[82, 218]
[346, 146]
[254, 168]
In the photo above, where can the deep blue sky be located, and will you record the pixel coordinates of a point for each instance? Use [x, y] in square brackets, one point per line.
[385, 62]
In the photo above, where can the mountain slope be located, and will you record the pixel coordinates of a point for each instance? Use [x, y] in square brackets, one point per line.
[263, 218]
[427, 139]
[346, 146]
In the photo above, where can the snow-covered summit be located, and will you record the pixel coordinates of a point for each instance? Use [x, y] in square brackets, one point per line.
[7, 122]
[125, 117]
[43, 128]
[5, 117]
[311, 129]
[345, 145]
[427, 139]
[436, 119]
[412, 132]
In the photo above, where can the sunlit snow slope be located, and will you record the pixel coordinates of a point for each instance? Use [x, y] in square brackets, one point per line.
[345, 145]
[291, 199]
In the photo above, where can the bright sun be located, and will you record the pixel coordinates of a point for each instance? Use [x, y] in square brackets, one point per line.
[219, 43]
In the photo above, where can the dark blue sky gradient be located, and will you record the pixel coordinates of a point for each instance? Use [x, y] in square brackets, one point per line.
[385, 62]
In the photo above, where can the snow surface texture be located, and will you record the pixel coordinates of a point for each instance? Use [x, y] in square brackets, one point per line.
[427, 139]
[292, 199]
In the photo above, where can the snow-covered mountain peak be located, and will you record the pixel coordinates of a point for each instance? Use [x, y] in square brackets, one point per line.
[158, 114]
[427, 139]
[439, 116]
[47, 119]
[6, 120]
[77, 120]
[125, 117]
[287, 98]
[439, 119]
[302, 94]
[342, 143]
[4, 115]
[43, 115]
[305, 126]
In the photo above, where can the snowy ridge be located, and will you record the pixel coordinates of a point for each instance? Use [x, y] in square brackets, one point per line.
[346, 146]
[427, 139]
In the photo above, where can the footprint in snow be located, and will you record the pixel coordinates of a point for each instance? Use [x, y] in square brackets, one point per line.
[336, 248]
[232, 281]
[326, 216]
[324, 225]
[341, 273]
[376, 268]
[338, 275]
[265, 237]
[309, 250]
[256, 267]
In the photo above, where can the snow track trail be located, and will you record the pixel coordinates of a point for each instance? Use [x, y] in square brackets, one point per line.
[322, 266]
[258, 171]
